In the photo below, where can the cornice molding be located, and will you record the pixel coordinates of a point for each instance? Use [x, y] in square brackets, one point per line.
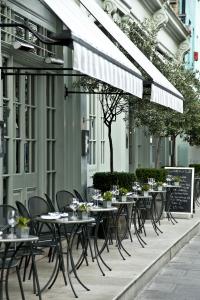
[160, 18]
[183, 48]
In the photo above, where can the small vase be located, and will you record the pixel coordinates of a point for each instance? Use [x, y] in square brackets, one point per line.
[176, 183]
[123, 198]
[22, 231]
[107, 204]
[84, 215]
[146, 193]
[160, 188]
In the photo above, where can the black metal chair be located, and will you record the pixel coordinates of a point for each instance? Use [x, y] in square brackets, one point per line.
[64, 199]
[79, 197]
[38, 206]
[8, 260]
[50, 203]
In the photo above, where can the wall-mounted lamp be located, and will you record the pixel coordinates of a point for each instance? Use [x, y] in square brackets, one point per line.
[23, 46]
[54, 60]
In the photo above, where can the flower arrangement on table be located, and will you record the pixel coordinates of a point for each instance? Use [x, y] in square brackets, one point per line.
[22, 228]
[122, 194]
[83, 209]
[145, 188]
[107, 199]
[176, 180]
[159, 185]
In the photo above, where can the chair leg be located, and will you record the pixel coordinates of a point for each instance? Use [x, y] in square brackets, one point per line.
[20, 283]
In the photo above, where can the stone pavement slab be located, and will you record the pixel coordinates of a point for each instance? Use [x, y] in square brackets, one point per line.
[129, 276]
[180, 278]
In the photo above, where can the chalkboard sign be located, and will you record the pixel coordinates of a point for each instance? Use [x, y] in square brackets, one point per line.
[182, 197]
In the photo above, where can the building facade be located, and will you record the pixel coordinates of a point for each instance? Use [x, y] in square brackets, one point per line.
[45, 131]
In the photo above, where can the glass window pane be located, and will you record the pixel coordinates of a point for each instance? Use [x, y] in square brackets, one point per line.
[32, 90]
[53, 156]
[5, 157]
[5, 190]
[27, 112]
[27, 88]
[53, 125]
[17, 156]
[33, 157]
[26, 157]
[33, 123]
[17, 120]
[17, 88]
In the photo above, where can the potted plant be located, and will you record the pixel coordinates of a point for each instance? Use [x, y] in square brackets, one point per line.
[83, 210]
[145, 189]
[122, 194]
[107, 199]
[22, 228]
[177, 180]
[160, 185]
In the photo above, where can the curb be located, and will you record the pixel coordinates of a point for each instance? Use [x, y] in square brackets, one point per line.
[134, 287]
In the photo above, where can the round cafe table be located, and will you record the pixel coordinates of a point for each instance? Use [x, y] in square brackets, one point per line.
[102, 214]
[10, 240]
[77, 224]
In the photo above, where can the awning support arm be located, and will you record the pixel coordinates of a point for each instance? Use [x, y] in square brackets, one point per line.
[62, 38]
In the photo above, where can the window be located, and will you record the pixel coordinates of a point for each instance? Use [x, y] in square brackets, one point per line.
[50, 136]
[92, 130]
[12, 34]
[102, 140]
[30, 126]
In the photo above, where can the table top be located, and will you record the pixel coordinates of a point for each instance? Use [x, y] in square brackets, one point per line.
[67, 220]
[13, 238]
[103, 209]
[123, 202]
[133, 196]
[157, 191]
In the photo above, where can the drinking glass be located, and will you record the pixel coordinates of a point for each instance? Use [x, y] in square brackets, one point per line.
[12, 220]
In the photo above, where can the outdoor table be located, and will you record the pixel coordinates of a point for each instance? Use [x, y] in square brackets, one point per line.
[8, 240]
[169, 190]
[76, 223]
[102, 214]
[156, 216]
[138, 218]
[126, 207]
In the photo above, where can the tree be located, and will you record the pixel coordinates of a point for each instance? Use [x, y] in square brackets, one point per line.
[161, 121]
[113, 103]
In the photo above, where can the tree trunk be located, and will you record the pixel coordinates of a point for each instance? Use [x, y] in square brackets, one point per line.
[157, 158]
[111, 148]
[173, 155]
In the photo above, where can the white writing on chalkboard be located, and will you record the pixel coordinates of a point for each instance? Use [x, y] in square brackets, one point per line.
[181, 198]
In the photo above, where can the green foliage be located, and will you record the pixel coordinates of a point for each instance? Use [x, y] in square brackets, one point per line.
[143, 174]
[23, 222]
[177, 178]
[107, 196]
[83, 207]
[104, 180]
[123, 191]
[160, 121]
[145, 187]
[196, 168]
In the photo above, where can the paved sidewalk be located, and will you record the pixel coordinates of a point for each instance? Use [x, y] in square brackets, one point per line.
[179, 279]
[128, 277]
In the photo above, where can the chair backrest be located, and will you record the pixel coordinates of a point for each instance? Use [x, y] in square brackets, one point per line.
[23, 211]
[64, 199]
[4, 211]
[50, 203]
[78, 196]
[37, 206]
